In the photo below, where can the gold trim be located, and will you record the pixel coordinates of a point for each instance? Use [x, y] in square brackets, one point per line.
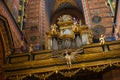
[69, 73]
[58, 67]
[97, 68]
[44, 75]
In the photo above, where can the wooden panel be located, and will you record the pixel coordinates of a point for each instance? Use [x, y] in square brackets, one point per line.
[93, 50]
[2, 76]
[42, 56]
[116, 74]
[115, 47]
[19, 59]
[107, 75]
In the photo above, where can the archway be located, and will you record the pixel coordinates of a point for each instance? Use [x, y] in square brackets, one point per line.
[6, 44]
[6, 37]
[73, 12]
[1, 58]
[68, 8]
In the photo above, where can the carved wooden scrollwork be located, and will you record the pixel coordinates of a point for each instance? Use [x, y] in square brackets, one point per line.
[97, 68]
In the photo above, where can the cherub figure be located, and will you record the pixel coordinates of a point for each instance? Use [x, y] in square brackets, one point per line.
[53, 28]
[102, 39]
[70, 56]
[31, 48]
[60, 19]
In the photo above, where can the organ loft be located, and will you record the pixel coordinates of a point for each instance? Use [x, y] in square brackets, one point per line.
[59, 39]
[68, 33]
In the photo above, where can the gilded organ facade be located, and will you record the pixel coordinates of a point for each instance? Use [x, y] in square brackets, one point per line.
[68, 33]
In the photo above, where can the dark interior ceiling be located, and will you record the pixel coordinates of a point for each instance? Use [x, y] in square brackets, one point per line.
[51, 4]
[64, 5]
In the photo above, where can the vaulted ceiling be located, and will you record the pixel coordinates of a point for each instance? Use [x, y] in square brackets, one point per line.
[55, 6]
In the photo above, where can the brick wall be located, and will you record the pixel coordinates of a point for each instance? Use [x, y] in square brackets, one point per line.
[98, 8]
[36, 16]
[16, 34]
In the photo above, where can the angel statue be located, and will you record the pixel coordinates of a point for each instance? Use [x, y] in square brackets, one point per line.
[54, 28]
[69, 56]
[102, 39]
[31, 48]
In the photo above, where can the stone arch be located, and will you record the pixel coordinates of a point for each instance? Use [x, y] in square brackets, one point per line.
[6, 41]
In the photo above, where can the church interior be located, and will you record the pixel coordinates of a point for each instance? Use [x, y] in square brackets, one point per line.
[59, 39]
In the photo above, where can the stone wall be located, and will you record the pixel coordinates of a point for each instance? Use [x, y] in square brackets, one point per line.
[98, 13]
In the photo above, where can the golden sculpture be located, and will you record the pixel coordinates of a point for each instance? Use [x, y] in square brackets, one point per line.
[102, 39]
[76, 27]
[70, 32]
[31, 48]
[65, 18]
[53, 30]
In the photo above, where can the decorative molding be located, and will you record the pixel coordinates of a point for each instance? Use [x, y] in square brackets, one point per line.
[95, 62]
[43, 75]
[69, 73]
[97, 68]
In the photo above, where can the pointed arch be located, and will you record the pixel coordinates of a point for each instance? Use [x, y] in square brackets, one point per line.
[73, 12]
[5, 38]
